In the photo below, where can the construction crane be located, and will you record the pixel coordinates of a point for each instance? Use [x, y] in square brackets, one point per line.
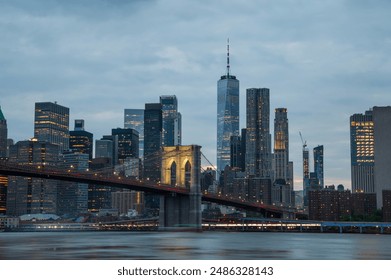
[302, 141]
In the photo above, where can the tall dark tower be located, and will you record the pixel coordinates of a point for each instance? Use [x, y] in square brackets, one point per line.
[227, 115]
[258, 138]
[153, 126]
[3, 135]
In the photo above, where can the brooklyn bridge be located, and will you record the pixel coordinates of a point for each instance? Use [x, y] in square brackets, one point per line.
[179, 188]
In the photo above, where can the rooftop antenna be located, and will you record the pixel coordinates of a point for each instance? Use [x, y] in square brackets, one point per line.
[228, 57]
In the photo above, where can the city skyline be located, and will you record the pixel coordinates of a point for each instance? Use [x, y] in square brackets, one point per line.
[99, 60]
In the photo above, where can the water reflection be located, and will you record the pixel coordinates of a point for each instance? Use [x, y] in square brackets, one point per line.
[189, 245]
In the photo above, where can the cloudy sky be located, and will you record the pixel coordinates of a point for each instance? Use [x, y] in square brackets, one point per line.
[323, 60]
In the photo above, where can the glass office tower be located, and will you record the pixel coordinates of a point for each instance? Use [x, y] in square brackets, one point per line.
[51, 124]
[362, 152]
[258, 138]
[227, 115]
[172, 121]
[134, 118]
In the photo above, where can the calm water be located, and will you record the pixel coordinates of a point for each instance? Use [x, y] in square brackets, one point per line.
[190, 245]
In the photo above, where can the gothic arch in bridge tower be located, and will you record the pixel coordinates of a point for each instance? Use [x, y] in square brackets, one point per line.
[181, 168]
[179, 165]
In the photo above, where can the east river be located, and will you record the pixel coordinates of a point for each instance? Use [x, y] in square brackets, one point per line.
[192, 245]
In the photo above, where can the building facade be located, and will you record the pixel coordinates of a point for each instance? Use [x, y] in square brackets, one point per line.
[362, 152]
[127, 143]
[3, 135]
[258, 138]
[32, 195]
[382, 136]
[81, 141]
[51, 124]
[72, 198]
[370, 141]
[281, 146]
[172, 121]
[153, 127]
[318, 165]
[134, 118]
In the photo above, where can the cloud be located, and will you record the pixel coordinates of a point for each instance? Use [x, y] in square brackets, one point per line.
[323, 60]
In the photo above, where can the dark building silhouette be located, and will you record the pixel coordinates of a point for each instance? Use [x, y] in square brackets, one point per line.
[99, 197]
[330, 204]
[386, 195]
[127, 143]
[81, 141]
[3, 135]
[152, 141]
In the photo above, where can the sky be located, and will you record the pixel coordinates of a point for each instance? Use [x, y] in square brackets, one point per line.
[322, 60]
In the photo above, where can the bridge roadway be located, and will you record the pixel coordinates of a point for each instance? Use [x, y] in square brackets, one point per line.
[90, 177]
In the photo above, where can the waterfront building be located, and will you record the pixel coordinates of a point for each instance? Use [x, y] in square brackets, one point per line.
[362, 152]
[258, 138]
[3, 154]
[3, 135]
[127, 143]
[51, 124]
[227, 115]
[370, 141]
[134, 119]
[81, 141]
[3, 194]
[32, 195]
[382, 151]
[172, 121]
[363, 204]
[329, 204]
[124, 201]
[386, 196]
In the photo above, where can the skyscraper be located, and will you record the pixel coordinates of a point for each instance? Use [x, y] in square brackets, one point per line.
[318, 165]
[127, 143]
[153, 126]
[32, 195]
[172, 121]
[81, 141]
[72, 197]
[362, 155]
[258, 138]
[382, 136]
[227, 115]
[51, 124]
[3, 154]
[134, 118]
[104, 149]
[281, 145]
[3, 135]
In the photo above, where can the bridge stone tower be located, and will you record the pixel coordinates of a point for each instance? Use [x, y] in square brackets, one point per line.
[181, 167]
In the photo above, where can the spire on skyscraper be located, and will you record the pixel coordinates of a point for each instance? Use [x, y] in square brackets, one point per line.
[228, 57]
